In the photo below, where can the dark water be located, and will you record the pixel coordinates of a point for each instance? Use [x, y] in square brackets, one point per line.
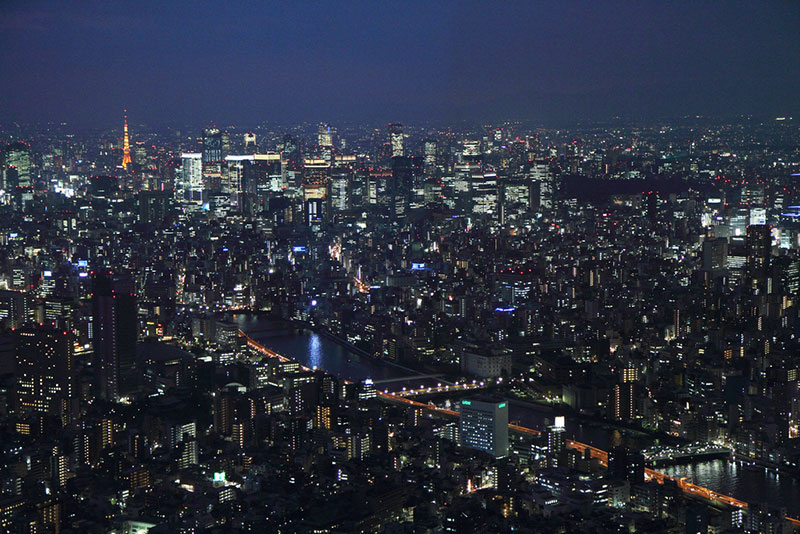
[315, 351]
[751, 484]
[731, 478]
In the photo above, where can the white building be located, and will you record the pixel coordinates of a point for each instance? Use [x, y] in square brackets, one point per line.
[484, 426]
[190, 186]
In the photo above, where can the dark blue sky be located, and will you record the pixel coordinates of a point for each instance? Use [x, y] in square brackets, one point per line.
[236, 62]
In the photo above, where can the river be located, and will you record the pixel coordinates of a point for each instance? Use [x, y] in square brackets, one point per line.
[321, 352]
[731, 478]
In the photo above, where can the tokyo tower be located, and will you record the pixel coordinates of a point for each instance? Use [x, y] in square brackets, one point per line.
[126, 146]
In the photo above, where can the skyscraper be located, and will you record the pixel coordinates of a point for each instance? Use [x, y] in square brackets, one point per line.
[556, 437]
[212, 146]
[652, 205]
[401, 186]
[16, 165]
[12, 308]
[556, 441]
[235, 184]
[190, 187]
[429, 154]
[114, 335]
[396, 138]
[623, 401]
[541, 174]
[45, 366]
[759, 248]
[715, 254]
[291, 155]
[484, 426]
[325, 142]
[212, 159]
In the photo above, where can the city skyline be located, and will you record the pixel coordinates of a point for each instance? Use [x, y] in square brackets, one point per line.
[400, 268]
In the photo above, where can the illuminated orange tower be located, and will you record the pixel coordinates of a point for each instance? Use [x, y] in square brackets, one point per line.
[126, 146]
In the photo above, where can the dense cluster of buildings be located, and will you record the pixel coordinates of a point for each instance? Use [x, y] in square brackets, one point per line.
[645, 276]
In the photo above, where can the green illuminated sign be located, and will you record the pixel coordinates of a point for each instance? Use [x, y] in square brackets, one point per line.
[501, 405]
[466, 402]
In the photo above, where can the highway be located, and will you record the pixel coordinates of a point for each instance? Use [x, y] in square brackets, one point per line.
[594, 452]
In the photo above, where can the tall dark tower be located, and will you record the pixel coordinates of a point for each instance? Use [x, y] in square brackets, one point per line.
[291, 154]
[405, 171]
[625, 464]
[45, 369]
[114, 336]
[652, 206]
[759, 247]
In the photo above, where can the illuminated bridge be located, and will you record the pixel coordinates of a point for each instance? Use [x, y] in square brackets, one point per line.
[407, 378]
[694, 452]
[594, 452]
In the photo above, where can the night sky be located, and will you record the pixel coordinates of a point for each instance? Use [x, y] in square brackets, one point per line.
[244, 63]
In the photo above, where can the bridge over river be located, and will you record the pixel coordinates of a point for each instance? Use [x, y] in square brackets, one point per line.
[694, 452]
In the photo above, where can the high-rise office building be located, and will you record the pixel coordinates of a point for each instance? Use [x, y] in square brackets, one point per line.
[623, 401]
[652, 203]
[12, 308]
[555, 436]
[340, 190]
[190, 187]
[759, 247]
[429, 154]
[291, 155]
[212, 159]
[396, 138]
[44, 369]
[212, 146]
[114, 335]
[556, 440]
[60, 311]
[235, 183]
[484, 194]
[16, 165]
[315, 204]
[325, 142]
[715, 254]
[484, 426]
[401, 186]
[545, 180]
